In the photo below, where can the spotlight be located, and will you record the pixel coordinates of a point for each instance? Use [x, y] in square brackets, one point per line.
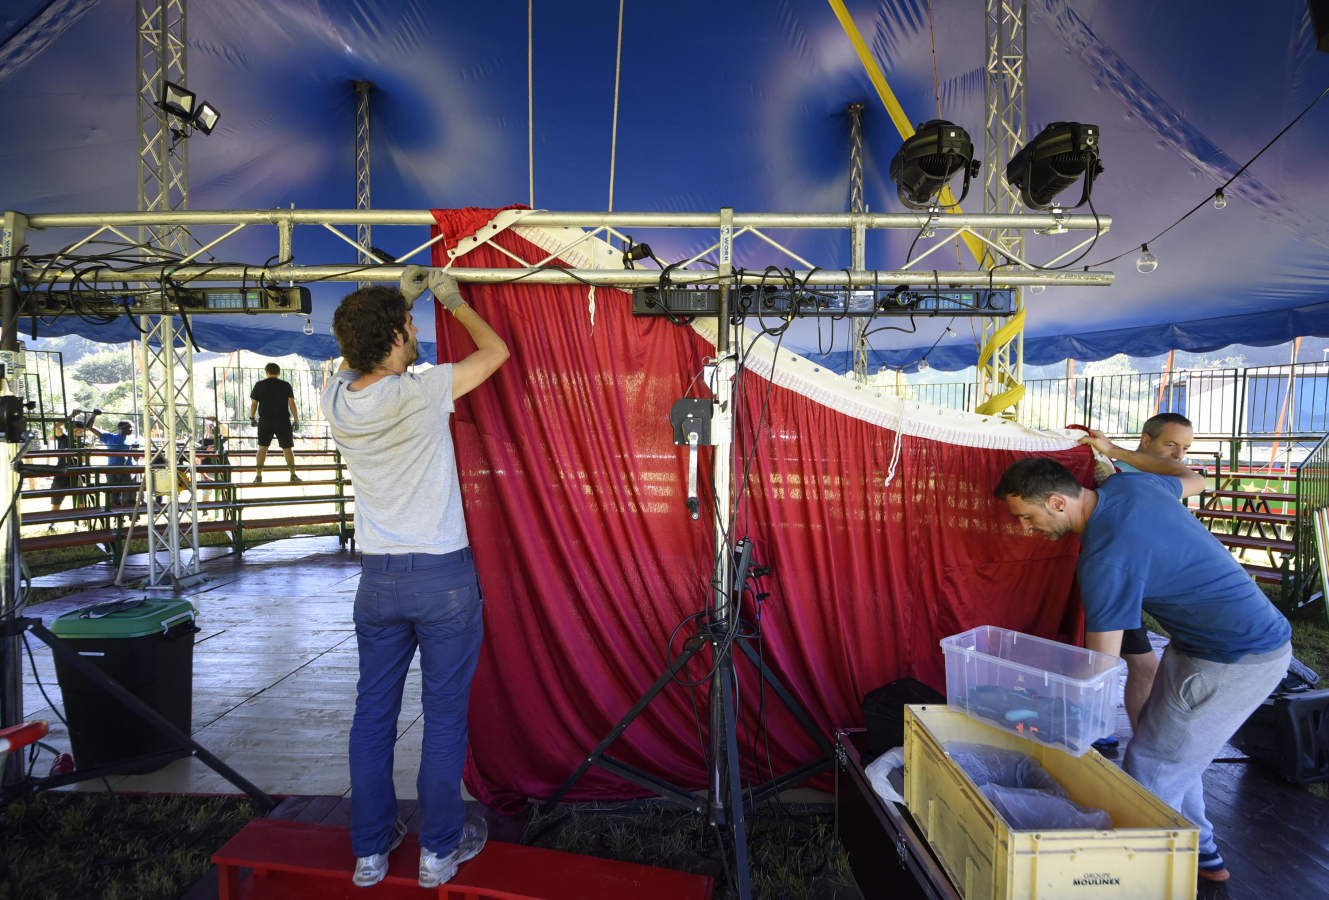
[1146, 262]
[635, 252]
[1053, 161]
[183, 103]
[177, 101]
[928, 159]
[206, 117]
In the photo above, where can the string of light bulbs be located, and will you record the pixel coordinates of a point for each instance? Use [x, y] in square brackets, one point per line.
[1147, 261]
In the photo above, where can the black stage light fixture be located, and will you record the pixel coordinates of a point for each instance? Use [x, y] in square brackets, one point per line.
[177, 101]
[206, 117]
[1055, 160]
[927, 160]
[183, 103]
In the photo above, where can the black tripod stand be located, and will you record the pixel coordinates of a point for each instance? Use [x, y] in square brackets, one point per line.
[14, 441]
[725, 802]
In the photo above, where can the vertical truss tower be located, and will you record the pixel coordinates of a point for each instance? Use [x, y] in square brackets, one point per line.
[363, 233]
[858, 232]
[165, 370]
[1001, 358]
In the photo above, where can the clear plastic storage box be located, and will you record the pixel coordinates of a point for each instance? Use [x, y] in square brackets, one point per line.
[1042, 690]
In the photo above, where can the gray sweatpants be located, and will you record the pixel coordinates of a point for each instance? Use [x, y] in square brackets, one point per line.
[1195, 706]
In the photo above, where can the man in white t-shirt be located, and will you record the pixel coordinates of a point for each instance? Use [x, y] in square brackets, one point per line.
[418, 584]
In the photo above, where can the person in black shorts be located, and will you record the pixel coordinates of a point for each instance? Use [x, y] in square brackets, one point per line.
[272, 410]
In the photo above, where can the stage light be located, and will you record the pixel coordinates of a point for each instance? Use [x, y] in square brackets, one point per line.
[1146, 262]
[1220, 202]
[206, 117]
[183, 103]
[927, 160]
[1053, 161]
[177, 100]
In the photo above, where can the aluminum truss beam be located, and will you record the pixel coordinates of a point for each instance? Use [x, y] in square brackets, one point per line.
[1001, 358]
[745, 226]
[163, 198]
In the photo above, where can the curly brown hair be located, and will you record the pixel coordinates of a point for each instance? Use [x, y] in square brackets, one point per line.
[367, 323]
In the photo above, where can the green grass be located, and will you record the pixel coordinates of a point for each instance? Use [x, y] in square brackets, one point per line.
[792, 848]
[61, 845]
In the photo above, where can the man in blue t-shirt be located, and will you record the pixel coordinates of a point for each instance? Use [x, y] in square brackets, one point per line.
[1169, 435]
[1141, 549]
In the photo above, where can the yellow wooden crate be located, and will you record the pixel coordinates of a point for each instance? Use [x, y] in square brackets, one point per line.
[1152, 852]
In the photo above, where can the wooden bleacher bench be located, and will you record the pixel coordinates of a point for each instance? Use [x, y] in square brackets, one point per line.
[1255, 542]
[1270, 518]
[299, 859]
[1266, 574]
[1253, 495]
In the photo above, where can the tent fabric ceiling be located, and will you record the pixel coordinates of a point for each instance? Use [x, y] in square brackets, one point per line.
[739, 104]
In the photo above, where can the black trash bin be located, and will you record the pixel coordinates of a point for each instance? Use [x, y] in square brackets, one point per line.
[147, 646]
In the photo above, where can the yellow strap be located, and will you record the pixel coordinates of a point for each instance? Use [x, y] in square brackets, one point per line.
[1014, 325]
[994, 405]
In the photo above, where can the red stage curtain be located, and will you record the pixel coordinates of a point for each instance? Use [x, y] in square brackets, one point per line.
[574, 496]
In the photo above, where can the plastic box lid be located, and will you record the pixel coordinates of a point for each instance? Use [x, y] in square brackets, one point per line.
[124, 618]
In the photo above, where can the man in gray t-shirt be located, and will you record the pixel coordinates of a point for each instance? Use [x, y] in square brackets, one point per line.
[418, 585]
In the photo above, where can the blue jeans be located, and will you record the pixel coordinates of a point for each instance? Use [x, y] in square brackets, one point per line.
[404, 601]
[1195, 706]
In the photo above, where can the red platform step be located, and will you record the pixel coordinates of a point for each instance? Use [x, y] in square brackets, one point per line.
[300, 860]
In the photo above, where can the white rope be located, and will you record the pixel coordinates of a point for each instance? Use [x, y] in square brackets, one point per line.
[895, 452]
[530, 96]
[613, 139]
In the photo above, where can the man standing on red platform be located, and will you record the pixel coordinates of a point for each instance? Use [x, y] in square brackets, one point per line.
[418, 584]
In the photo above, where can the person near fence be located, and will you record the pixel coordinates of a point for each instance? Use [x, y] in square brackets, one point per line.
[121, 439]
[418, 584]
[272, 411]
[1168, 436]
[1142, 550]
[66, 481]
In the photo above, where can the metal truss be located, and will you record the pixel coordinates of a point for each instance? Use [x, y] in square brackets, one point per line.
[170, 466]
[163, 197]
[1001, 357]
[857, 247]
[363, 231]
[603, 266]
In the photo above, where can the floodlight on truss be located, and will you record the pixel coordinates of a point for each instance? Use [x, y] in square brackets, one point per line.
[183, 104]
[928, 159]
[1059, 156]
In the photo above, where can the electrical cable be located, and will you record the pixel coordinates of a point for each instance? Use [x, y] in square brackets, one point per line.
[1222, 187]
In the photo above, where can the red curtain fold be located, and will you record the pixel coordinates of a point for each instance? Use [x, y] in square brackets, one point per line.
[574, 494]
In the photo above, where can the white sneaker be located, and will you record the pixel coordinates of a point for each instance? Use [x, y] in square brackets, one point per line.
[369, 870]
[435, 869]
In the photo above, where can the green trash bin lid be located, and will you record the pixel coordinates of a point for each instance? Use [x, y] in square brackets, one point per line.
[124, 618]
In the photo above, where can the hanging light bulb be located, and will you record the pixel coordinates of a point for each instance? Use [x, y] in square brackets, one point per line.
[309, 326]
[1146, 262]
[1037, 288]
[1219, 200]
[923, 364]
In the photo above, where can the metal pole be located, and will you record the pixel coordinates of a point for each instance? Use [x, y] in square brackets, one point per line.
[11, 383]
